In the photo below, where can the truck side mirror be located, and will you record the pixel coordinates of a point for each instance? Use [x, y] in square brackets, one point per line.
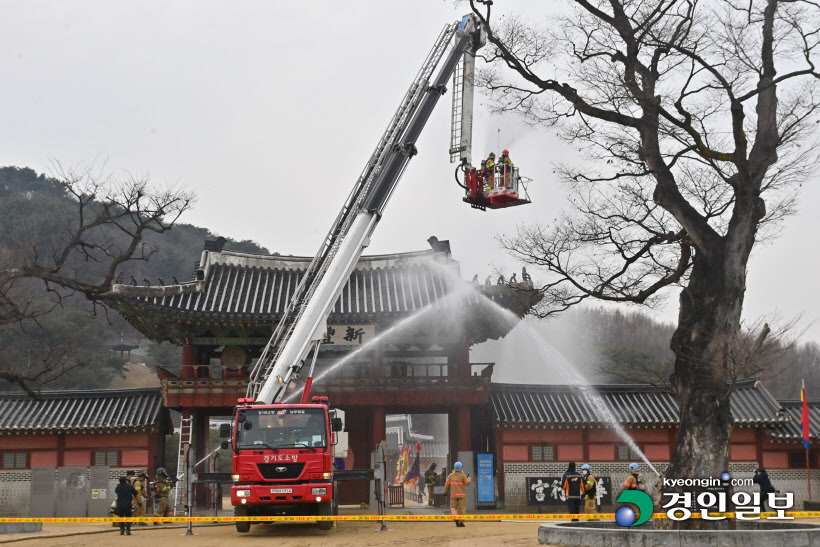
[225, 445]
[240, 417]
[335, 424]
[225, 431]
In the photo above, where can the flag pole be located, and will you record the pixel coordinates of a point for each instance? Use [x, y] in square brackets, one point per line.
[805, 427]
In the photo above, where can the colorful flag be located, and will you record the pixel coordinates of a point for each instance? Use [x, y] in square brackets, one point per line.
[804, 418]
[413, 475]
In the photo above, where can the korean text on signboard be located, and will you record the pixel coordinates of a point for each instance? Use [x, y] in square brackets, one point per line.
[548, 491]
[486, 489]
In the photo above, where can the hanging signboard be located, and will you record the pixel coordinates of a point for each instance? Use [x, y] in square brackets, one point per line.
[548, 491]
[486, 487]
[349, 335]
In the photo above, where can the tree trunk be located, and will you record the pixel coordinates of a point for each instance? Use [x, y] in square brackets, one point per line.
[708, 325]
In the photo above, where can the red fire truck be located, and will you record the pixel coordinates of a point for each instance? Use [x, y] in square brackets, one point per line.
[283, 454]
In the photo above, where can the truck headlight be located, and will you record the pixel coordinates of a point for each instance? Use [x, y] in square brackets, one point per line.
[243, 493]
[319, 491]
[235, 478]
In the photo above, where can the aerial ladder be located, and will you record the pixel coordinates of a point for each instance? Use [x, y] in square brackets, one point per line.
[282, 460]
[303, 324]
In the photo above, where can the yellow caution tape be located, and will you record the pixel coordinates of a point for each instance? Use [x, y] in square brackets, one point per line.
[491, 517]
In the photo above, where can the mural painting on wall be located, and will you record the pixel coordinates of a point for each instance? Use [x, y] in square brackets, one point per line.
[548, 491]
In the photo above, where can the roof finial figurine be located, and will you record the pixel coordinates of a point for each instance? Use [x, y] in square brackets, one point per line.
[119, 278]
[146, 281]
[161, 282]
[514, 279]
[475, 279]
[133, 280]
[500, 279]
[176, 281]
[524, 275]
[488, 281]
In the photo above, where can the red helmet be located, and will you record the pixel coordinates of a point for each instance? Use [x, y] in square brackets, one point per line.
[506, 152]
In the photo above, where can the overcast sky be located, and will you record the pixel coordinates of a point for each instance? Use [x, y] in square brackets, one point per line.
[269, 110]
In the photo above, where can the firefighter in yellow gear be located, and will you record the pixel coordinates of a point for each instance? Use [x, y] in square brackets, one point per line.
[457, 483]
[430, 481]
[162, 491]
[506, 167]
[489, 172]
[141, 486]
[590, 490]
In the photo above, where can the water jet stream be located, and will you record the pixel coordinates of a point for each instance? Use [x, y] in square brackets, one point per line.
[567, 369]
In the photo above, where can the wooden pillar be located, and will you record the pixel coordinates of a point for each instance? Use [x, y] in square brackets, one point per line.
[585, 445]
[464, 438]
[379, 425]
[499, 463]
[458, 359]
[190, 360]
[60, 449]
[201, 441]
[377, 363]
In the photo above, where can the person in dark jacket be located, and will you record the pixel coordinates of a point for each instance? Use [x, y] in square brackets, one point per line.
[761, 479]
[573, 485]
[125, 497]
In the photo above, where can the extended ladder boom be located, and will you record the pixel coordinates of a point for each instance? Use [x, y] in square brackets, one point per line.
[350, 233]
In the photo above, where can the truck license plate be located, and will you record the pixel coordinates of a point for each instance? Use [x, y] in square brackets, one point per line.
[281, 490]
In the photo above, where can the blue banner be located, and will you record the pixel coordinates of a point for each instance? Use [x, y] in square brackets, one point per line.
[486, 490]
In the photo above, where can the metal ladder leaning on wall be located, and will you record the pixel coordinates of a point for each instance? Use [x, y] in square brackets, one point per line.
[185, 430]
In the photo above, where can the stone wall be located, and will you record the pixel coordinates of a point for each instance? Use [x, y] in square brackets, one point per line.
[15, 491]
[515, 494]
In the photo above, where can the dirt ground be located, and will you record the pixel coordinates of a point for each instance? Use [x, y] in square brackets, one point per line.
[358, 534]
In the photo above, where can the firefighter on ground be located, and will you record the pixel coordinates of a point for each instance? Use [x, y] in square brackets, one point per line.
[506, 165]
[573, 485]
[635, 480]
[590, 490]
[457, 483]
[141, 499]
[430, 480]
[162, 491]
[489, 172]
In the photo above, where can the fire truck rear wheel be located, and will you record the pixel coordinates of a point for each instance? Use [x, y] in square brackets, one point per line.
[326, 510]
[245, 526]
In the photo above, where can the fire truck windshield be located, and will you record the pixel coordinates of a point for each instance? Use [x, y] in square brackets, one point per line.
[282, 428]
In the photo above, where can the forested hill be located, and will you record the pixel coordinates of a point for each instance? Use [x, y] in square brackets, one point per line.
[26, 200]
[610, 346]
[32, 208]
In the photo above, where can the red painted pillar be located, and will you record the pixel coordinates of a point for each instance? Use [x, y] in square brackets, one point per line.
[464, 439]
[499, 461]
[60, 449]
[190, 360]
[379, 426]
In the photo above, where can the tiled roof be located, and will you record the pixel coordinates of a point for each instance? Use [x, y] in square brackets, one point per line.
[632, 405]
[240, 286]
[104, 410]
[790, 430]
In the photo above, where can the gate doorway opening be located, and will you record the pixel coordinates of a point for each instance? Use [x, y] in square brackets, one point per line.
[414, 443]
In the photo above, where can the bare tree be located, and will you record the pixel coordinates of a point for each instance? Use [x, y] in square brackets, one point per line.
[71, 245]
[689, 113]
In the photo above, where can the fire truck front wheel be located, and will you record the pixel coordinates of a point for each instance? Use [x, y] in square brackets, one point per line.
[326, 510]
[245, 526]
